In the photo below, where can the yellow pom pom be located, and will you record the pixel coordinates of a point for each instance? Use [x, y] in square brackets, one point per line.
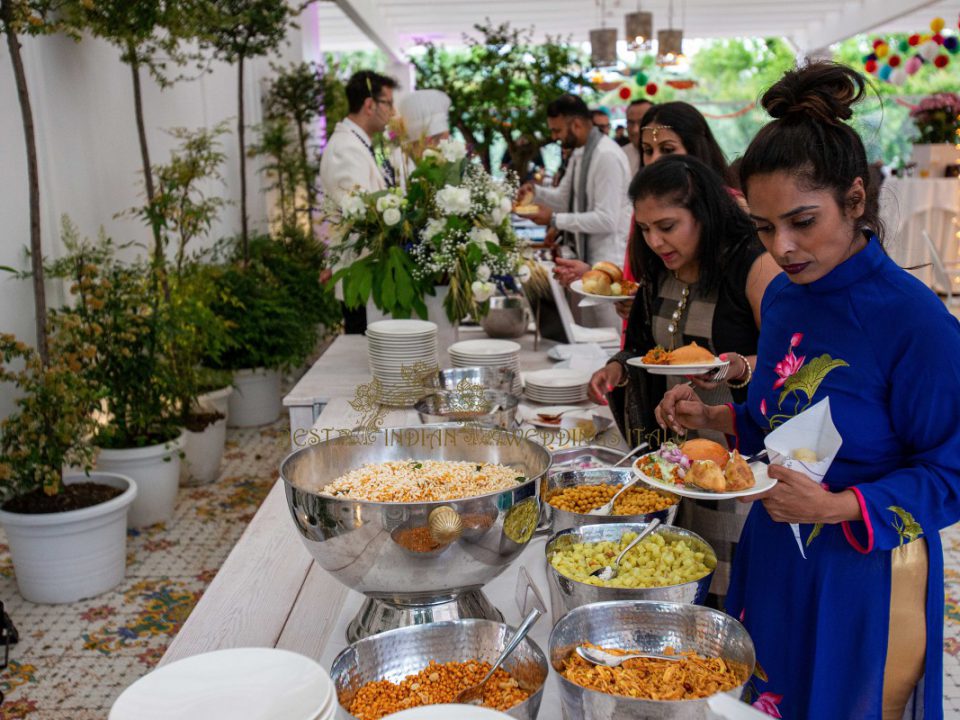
[882, 50]
[937, 24]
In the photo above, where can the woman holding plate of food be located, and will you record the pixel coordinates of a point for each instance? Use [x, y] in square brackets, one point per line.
[855, 630]
[702, 274]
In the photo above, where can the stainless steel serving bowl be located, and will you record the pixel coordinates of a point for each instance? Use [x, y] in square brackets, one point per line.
[557, 520]
[489, 408]
[354, 540]
[647, 626]
[505, 318]
[567, 593]
[396, 654]
[489, 378]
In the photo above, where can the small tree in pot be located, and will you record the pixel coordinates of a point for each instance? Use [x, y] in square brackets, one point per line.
[67, 535]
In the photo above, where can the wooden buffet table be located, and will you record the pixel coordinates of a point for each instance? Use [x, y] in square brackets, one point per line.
[270, 593]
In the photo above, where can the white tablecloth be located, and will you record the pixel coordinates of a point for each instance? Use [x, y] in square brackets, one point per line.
[908, 206]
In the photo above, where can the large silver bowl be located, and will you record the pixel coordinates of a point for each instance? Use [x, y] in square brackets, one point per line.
[355, 541]
[505, 318]
[489, 408]
[648, 626]
[558, 520]
[397, 654]
[489, 378]
[567, 593]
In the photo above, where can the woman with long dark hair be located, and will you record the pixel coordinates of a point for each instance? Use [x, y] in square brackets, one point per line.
[702, 273]
[855, 630]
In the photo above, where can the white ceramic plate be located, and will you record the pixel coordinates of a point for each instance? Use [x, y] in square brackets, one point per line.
[763, 483]
[402, 327]
[249, 683]
[557, 379]
[484, 347]
[531, 414]
[697, 369]
[577, 287]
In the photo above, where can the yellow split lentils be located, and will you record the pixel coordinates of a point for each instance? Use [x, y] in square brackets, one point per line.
[422, 481]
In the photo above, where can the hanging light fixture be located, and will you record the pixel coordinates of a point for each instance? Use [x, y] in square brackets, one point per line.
[603, 42]
[639, 27]
[669, 42]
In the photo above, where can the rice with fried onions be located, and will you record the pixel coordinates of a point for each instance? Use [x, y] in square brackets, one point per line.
[651, 679]
[422, 481]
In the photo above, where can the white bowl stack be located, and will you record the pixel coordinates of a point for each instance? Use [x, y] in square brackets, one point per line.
[557, 386]
[395, 345]
[488, 353]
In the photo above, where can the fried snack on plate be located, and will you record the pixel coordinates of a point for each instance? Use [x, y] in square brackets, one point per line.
[706, 474]
[738, 474]
[703, 449]
[657, 356]
[691, 355]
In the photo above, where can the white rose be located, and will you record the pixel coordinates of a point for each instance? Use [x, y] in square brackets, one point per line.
[523, 274]
[496, 216]
[482, 236]
[482, 291]
[431, 153]
[391, 216]
[387, 201]
[433, 228]
[453, 150]
[352, 206]
[483, 272]
[505, 206]
[453, 200]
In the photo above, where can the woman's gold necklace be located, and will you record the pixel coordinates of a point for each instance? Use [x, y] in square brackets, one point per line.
[674, 326]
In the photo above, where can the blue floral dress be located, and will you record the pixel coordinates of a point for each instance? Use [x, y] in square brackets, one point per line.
[886, 352]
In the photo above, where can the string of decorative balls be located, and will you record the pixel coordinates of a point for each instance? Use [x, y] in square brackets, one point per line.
[893, 62]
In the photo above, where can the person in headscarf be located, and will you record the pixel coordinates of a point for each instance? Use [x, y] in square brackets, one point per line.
[424, 120]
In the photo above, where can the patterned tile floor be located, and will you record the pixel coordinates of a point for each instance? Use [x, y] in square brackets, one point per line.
[73, 660]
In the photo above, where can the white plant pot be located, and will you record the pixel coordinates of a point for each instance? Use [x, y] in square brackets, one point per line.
[934, 157]
[218, 400]
[256, 399]
[68, 556]
[202, 453]
[156, 470]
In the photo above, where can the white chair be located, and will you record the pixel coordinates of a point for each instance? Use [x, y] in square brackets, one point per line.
[944, 273]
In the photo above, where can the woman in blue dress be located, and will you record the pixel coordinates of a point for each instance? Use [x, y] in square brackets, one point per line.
[855, 631]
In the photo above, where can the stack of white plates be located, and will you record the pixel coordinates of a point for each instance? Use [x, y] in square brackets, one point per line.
[249, 683]
[396, 346]
[557, 386]
[488, 353]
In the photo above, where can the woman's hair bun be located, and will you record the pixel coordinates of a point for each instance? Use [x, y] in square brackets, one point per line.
[824, 92]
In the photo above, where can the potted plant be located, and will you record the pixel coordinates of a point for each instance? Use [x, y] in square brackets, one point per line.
[936, 118]
[270, 330]
[67, 533]
[450, 228]
[118, 314]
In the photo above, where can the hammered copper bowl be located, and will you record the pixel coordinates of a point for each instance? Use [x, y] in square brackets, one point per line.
[558, 519]
[567, 593]
[354, 540]
[397, 654]
[646, 626]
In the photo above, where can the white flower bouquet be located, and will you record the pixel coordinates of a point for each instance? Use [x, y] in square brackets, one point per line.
[450, 227]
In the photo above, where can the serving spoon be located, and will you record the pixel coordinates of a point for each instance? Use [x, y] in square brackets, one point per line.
[602, 657]
[474, 695]
[609, 572]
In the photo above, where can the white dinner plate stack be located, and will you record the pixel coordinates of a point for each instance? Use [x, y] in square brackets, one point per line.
[488, 353]
[557, 386]
[396, 345]
[249, 683]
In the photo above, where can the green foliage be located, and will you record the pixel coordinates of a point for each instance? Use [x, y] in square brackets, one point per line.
[238, 30]
[281, 164]
[37, 17]
[54, 417]
[500, 86]
[117, 313]
[738, 69]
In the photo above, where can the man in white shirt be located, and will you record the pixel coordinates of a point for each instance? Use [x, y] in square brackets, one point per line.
[349, 161]
[635, 112]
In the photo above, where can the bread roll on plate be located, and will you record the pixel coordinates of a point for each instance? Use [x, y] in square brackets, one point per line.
[703, 449]
[615, 273]
[596, 282]
[691, 354]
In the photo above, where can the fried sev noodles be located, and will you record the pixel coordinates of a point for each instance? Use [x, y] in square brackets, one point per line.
[651, 679]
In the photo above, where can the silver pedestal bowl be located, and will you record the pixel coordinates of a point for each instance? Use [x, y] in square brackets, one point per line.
[416, 562]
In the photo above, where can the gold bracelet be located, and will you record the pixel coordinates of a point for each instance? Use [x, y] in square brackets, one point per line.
[737, 386]
[626, 375]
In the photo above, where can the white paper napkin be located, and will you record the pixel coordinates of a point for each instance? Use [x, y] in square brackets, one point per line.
[813, 429]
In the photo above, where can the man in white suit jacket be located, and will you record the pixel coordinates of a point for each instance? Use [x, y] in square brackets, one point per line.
[349, 162]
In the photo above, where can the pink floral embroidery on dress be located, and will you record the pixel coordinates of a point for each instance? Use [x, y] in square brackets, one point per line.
[767, 703]
[789, 365]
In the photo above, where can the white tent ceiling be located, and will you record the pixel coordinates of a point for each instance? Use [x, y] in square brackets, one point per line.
[397, 25]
